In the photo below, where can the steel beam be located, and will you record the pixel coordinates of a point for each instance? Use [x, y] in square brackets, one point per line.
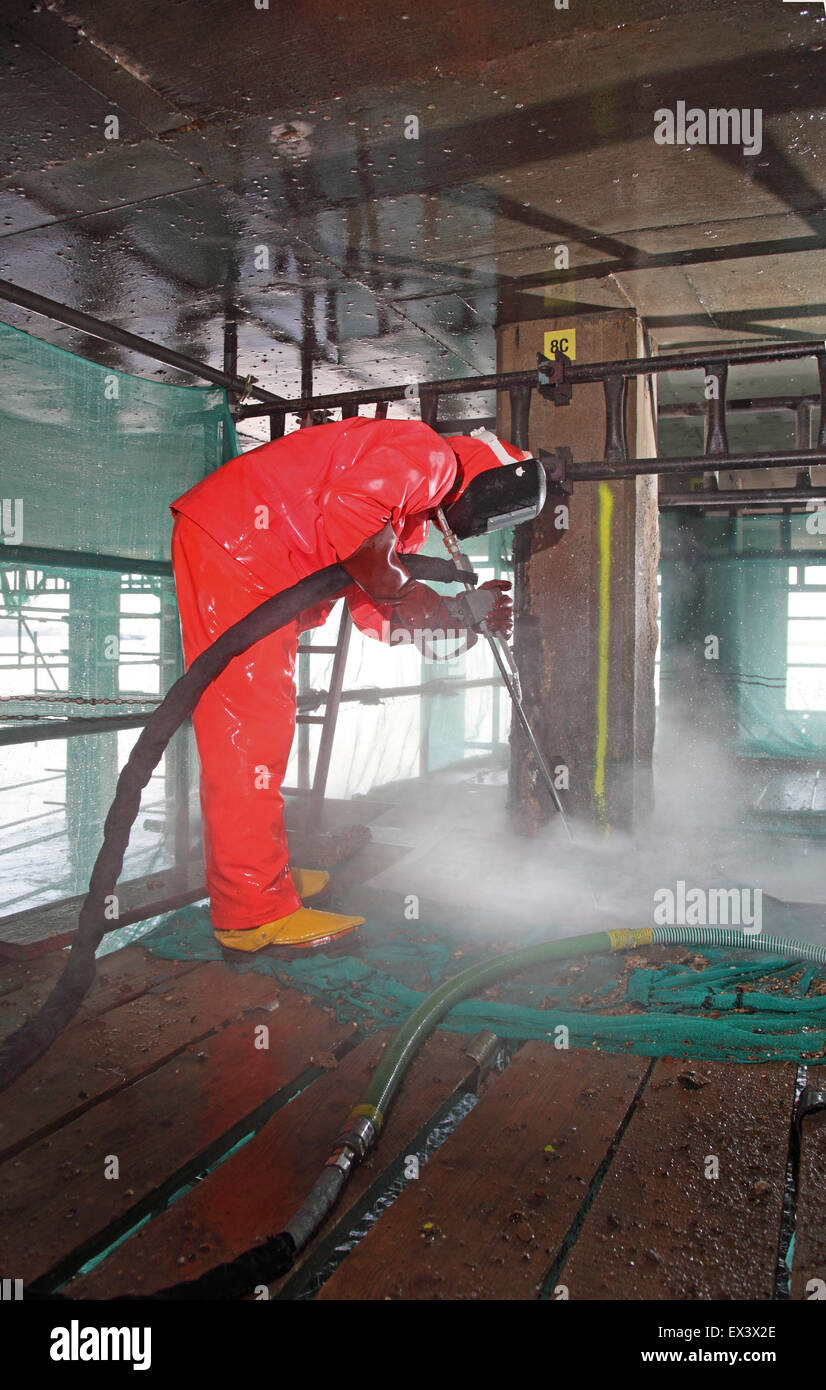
[39, 732]
[716, 437]
[49, 729]
[61, 313]
[35, 556]
[741, 497]
[599, 470]
[677, 409]
[591, 371]
[374, 695]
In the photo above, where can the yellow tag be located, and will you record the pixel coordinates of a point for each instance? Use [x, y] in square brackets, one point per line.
[561, 340]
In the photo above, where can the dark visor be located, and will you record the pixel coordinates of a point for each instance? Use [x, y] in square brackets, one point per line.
[501, 497]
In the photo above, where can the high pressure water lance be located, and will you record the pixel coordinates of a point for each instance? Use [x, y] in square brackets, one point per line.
[502, 655]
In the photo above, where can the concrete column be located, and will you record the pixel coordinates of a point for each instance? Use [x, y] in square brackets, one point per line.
[586, 599]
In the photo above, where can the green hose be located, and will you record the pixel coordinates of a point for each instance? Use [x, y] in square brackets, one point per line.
[386, 1078]
[409, 1038]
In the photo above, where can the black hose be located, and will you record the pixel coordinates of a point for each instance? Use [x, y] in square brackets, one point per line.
[237, 1278]
[23, 1047]
[316, 1206]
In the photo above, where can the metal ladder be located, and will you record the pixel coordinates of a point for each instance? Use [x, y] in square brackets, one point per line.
[315, 789]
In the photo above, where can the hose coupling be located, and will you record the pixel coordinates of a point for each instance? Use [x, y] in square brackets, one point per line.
[358, 1135]
[344, 1159]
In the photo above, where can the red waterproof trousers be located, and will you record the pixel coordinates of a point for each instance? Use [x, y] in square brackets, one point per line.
[244, 724]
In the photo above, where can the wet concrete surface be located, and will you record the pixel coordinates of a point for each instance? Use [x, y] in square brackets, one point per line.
[261, 168]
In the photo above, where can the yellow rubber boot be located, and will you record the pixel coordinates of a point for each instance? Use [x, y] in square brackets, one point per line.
[308, 883]
[302, 928]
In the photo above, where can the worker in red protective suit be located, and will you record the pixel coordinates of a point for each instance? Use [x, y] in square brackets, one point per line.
[360, 492]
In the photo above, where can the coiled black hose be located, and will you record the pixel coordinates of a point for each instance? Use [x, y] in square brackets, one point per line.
[23, 1047]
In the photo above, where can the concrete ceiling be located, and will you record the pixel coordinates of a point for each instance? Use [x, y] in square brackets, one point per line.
[391, 259]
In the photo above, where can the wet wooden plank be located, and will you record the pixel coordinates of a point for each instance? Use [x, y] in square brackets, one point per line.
[99, 1056]
[809, 1263]
[37, 930]
[121, 976]
[16, 974]
[492, 1207]
[660, 1228]
[56, 1197]
[257, 1190]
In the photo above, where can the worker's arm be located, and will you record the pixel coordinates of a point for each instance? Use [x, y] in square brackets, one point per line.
[373, 619]
[380, 621]
[389, 605]
[399, 601]
[370, 500]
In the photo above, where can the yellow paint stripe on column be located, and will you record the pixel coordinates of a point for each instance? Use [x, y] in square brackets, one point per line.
[606, 511]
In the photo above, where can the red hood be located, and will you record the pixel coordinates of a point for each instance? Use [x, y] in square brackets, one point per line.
[475, 457]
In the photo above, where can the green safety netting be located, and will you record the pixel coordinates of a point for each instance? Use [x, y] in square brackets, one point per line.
[758, 585]
[96, 455]
[92, 457]
[724, 1008]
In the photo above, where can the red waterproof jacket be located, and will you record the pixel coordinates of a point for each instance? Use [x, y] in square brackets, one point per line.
[293, 506]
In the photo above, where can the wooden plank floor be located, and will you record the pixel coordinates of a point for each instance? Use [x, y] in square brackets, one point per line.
[121, 976]
[256, 1191]
[204, 1080]
[101, 1055]
[492, 1207]
[691, 1206]
[577, 1174]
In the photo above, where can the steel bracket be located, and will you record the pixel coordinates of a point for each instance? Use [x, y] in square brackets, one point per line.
[552, 378]
[557, 463]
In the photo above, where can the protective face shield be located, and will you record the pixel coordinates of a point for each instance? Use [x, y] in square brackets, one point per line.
[500, 496]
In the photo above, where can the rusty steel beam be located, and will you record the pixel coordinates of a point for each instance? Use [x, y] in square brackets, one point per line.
[598, 469]
[678, 409]
[591, 371]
